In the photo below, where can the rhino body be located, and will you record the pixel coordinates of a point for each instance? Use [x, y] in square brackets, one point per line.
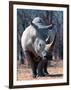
[36, 51]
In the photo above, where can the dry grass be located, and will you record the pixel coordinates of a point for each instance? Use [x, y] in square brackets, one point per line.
[55, 71]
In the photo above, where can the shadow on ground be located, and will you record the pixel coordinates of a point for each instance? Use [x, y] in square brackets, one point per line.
[55, 75]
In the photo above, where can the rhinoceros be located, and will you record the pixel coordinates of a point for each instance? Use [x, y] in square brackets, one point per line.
[36, 50]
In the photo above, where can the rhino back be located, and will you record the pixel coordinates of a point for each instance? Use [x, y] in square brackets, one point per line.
[28, 38]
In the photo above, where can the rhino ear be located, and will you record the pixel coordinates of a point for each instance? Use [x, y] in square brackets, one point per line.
[35, 26]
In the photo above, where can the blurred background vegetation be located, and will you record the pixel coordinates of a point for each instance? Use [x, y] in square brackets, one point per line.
[24, 18]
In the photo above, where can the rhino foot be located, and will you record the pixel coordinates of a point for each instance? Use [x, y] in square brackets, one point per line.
[41, 75]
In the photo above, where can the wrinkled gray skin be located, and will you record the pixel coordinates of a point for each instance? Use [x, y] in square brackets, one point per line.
[41, 52]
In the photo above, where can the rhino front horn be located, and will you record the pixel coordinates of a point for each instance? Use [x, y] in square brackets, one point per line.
[50, 46]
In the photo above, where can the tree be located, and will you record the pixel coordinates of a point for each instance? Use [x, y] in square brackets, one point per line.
[24, 18]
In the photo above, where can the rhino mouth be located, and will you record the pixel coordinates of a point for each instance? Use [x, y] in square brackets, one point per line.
[48, 57]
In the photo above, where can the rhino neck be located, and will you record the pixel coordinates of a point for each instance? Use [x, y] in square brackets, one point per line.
[35, 26]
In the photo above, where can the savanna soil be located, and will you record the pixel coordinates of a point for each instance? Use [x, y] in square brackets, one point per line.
[55, 70]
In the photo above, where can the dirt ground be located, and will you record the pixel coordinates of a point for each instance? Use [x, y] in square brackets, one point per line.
[55, 71]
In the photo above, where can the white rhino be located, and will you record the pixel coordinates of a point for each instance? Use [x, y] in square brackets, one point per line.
[35, 49]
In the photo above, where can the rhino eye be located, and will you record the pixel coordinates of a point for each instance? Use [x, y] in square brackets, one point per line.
[40, 45]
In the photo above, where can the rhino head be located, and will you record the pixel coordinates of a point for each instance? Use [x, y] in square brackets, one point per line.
[44, 49]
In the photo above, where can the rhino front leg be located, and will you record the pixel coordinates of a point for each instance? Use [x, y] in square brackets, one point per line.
[40, 69]
[45, 68]
[30, 62]
[46, 63]
[34, 69]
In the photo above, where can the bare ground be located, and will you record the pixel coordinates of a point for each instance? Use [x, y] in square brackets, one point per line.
[55, 71]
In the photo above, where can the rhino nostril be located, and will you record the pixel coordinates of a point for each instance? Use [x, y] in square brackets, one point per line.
[45, 56]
